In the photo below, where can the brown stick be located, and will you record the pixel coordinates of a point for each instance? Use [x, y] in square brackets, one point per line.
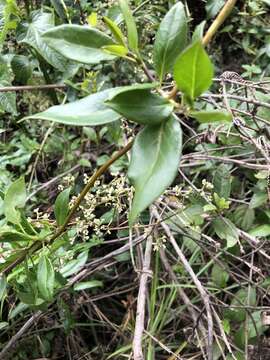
[140, 316]
[32, 87]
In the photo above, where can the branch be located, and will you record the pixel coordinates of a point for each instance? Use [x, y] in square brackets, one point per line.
[32, 87]
[39, 244]
[140, 316]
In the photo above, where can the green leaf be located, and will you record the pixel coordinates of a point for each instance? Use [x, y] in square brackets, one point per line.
[8, 8]
[213, 6]
[211, 116]
[226, 230]
[3, 287]
[258, 199]
[219, 276]
[21, 68]
[3, 325]
[154, 162]
[170, 40]
[74, 265]
[260, 231]
[90, 111]
[141, 105]
[222, 181]
[117, 50]
[45, 278]
[193, 71]
[198, 32]
[7, 99]
[8, 234]
[79, 43]
[131, 25]
[30, 33]
[115, 30]
[61, 207]
[88, 285]
[15, 198]
[244, 217]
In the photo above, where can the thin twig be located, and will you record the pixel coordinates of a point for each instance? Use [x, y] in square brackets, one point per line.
[140, 316]
[32, 87]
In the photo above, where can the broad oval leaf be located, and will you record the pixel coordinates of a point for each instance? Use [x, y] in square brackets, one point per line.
[154, 162]
[226, 230]
[170, 40]
[15, 198]
[193, 71]
[131, 25]
[141, 105]
[21, 68]
[61, 207]
[79, 43]
[211, 116]
[45, 278]
[31, 33]
[222, 181]
[90, 111]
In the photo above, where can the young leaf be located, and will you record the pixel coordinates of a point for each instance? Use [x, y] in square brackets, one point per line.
[141, 106]
[117, 50]
[211, 116]
[131, 25]
[170, 40]
[89, 111]
[226, 230]
[79, 43]
[193, 71]
[15, 198]
[154, 162]
[115, 30]
[45, 278]
[61, 207]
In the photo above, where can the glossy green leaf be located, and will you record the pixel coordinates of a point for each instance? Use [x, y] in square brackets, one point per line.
[117, 50]
[193, 71]
[213, 6]
[45, 278]
[260, 231]
[154, 162]
[141, 105]
[222, 181]
[170, 40]
[61, 207]
[79, 43]
[74, 265]
[90, 111]
[211, 116]
[226, 230]
[88, 285]
[115, 30]
[198, 32]
[131, 25]
[15, 198]
[30, 33]
[3, 325]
